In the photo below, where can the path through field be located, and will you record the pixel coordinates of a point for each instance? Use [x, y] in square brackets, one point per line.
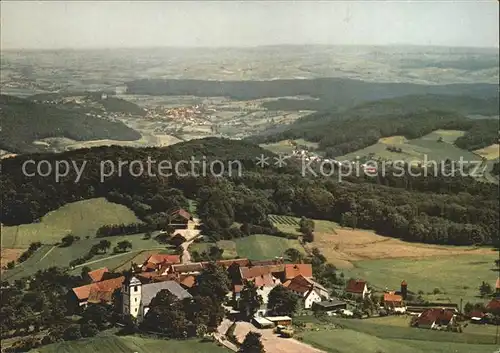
[190, 234]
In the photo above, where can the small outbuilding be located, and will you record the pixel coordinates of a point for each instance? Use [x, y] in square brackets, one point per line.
[261, 322]
[280, 320]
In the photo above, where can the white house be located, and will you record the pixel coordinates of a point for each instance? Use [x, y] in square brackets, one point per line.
[136, 296]
[311, 291]
[357, 288]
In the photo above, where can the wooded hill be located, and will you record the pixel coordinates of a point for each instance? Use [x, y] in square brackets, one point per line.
[342, 131]
[24, 121]
[337, 91]
[433, 209]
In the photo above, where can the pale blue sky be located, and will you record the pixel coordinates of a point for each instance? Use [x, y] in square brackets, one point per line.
[93, 24]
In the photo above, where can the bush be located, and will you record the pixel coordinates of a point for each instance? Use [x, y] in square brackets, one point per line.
[72, 333]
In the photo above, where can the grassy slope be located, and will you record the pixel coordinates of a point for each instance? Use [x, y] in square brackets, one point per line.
[417, 148]
[130, 344]
[456, 276]
[80, 218]
[62, 256]
[255, 247]
[261, 247]
[370, 337]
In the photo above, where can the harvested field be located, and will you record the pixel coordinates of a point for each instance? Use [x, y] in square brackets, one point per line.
[348, 246]
[490, 153]
[7, 255]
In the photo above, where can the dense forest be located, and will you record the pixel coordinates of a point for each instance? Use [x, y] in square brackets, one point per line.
[23, 122]
[335, 91]
[111, 103]
[434, 209]
[341, 132]
[464, 105]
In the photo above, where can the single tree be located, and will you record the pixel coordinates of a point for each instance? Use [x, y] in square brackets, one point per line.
[67, 240]
[213, 282]
[250, 300]
[252, 343]
[124, 245]
[485, 289]
[282, 301]
[294, 255]
[104, 245]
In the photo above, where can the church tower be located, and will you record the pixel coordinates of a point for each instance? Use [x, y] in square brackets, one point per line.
[132, 295]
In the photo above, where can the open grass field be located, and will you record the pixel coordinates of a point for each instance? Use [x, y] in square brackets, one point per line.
[262, 247]
[370, 336]
[490, 153]
[424, 148]
[131, 344]
[48, 255]
[254, 247]
[285, 146]
[81, 218]
[456, 277]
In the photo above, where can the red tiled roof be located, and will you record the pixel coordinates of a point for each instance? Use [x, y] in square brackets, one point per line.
[256, 271]
[183, 213]
[477, 314]
[435, 315]
[294, 270]
[163, 258]
[299, 284]
[264, 280]
[188, 281]
[497, 285]
[494, 304]
[392, 298]
[240, 262]
[238, 288]
[83, 292]
[355, 286]
[97, 275]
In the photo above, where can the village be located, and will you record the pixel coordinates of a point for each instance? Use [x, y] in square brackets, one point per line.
[266, 279]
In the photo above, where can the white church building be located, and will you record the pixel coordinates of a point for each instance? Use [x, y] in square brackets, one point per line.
[137, 296]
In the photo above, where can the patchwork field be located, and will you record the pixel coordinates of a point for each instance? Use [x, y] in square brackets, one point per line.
[48, 255]
[131, 344]
[353, 336]
[436, 146]
[490, 153]
[385, 262]
[81, 218]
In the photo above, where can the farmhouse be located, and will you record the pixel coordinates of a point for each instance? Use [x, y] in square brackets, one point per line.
[357, 288]
[310, 291]
[96, 292]
[435, 319]
[97, 275]
[394, 302]
[493, 306]
[137, 296]
[156, 262]
[179, 218]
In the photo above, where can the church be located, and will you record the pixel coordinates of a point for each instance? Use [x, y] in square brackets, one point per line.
[136, 296]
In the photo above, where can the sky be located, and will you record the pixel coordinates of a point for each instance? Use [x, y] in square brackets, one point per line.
[111, 24]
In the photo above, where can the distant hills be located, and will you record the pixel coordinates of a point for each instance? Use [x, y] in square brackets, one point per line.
[23, 121]
[330, 91]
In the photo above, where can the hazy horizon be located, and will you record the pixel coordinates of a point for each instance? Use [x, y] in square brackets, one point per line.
[28, 25]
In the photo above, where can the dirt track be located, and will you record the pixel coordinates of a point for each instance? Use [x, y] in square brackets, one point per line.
[272, 342]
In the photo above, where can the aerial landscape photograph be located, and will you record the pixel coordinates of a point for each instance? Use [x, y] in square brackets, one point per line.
[249, 176]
